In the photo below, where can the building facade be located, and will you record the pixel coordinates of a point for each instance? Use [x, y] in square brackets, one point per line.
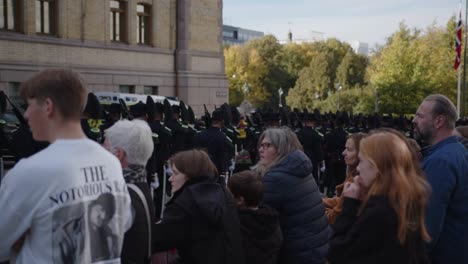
[239, 36]
[162, 47]
[361, 48]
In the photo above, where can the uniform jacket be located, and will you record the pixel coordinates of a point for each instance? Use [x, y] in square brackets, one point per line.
[216, 144]
[312, 144]
[291, 189]
[202, 223]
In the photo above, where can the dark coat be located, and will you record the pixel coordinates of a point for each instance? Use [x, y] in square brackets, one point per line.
[312, 143]
[261, 235]
[135, 245]
[178, 136]
[291, 189]
[217, 145]
[372, 237]
[202, 223]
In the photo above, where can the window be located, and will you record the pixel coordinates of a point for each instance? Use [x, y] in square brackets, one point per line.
[150, 90]
[143, 24]
[14, 93]
[127, 88]
[45, 16]
[228, 34]
[9, 15]
[117, 22]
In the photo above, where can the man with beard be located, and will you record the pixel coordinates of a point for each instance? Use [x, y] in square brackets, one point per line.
[445, 164]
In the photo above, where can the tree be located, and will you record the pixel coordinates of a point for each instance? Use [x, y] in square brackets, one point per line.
[236, 64]
[398, 73]
[352, 70]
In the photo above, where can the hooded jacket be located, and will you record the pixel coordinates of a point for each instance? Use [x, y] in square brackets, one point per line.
[202, 223]
[291, 189]
[261, 235]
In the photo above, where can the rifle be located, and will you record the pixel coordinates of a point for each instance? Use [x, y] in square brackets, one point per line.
[125, 112]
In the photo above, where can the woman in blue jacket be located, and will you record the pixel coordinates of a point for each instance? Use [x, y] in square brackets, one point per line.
[290, 188]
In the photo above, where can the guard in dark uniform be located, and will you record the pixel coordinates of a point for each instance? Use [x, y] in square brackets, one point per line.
[335, 142]
[216, 143]
[311, 141]
[161, 153]
[91, 122]
[178, 130]
[115, 114]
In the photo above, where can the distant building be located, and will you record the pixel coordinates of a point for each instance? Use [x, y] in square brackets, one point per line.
[361, 48]
[159, 47]
[313, 37]
[239, 36]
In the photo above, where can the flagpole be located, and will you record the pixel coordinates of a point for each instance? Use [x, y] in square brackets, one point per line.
[458, 92]
[463, 102]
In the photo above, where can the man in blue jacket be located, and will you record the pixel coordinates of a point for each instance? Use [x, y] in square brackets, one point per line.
[446, 166]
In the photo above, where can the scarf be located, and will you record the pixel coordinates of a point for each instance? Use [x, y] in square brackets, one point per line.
[134, 174]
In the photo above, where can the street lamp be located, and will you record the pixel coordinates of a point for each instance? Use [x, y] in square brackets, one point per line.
[280, 92]
[376, 106]
[339, 89]
[245, 89]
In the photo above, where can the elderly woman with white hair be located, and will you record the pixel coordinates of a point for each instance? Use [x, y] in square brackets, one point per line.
[131, 142]
[290, 188]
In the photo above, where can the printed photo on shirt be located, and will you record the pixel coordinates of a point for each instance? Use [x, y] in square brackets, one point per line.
[68, 234]
[101, 228]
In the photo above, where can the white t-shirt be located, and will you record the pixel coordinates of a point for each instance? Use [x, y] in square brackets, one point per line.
[72, 198]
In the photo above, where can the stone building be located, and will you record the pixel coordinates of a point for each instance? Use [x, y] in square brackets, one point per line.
[164, 47]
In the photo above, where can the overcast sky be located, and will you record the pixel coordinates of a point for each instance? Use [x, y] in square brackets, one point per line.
[370, 21]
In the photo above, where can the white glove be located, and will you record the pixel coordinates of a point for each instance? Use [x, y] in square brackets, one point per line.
[322, 166]
[155, 182]
[233, 165]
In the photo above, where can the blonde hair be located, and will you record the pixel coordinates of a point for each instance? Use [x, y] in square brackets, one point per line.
[399, 180]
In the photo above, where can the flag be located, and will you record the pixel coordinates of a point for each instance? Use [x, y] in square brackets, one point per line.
[458, 43]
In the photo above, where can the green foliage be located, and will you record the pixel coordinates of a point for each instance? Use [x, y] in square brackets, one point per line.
[411, 65]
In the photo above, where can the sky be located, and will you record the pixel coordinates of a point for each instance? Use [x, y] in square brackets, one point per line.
[370, 21]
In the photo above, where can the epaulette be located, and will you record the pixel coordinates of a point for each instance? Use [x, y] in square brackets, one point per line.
[320, 134]
[95, 123]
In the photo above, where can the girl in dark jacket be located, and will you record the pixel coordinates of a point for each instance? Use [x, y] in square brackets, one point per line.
[201, 219]
[290, 188]
[384, 207]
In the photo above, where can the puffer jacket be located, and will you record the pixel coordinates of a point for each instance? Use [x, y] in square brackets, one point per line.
[291, 189]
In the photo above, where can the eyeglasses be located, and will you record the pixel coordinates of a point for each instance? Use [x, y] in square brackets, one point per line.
[265, 145]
